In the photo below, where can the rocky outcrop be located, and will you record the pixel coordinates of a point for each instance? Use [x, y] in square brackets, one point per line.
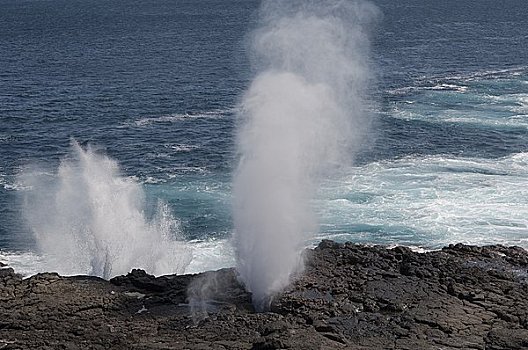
[350, 297]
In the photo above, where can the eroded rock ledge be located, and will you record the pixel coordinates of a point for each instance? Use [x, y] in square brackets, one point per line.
[350, 297]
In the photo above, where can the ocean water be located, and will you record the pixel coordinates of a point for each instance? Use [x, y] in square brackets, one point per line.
[155, 85]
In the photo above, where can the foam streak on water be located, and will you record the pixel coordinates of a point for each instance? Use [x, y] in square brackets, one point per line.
[431, 201]
[494, 100]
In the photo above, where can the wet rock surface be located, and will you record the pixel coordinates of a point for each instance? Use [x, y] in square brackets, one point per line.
[350, 297]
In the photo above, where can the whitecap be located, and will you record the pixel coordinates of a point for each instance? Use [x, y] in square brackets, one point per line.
[178, 170]
[431, 202]
[177, 117]
[12, 185]
[181, 147]
[507, 110]
[447, 87]
[402, 90]
[479, 75]
[152, 180]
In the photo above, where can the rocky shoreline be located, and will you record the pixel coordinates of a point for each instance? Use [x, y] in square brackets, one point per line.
[350, 297]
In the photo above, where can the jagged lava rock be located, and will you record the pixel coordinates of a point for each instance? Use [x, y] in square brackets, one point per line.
[349, 297]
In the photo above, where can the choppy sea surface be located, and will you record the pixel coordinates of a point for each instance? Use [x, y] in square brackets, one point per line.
[155, 84]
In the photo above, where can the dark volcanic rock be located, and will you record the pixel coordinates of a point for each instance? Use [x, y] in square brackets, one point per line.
[350, 297]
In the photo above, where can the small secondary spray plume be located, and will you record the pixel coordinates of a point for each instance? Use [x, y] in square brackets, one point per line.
[302, 116]
[89, 219]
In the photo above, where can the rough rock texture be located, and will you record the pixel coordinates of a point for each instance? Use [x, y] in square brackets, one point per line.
[350, 297]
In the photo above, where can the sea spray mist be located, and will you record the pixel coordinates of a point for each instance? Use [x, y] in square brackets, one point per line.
[302, 116]
[89, 219]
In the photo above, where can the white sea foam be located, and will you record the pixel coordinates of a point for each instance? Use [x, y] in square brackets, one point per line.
[462, 82]
[514, 121]
[480, 75]
[438, 87]
[212, 254]
[152, 180]
[522, 103]
[506, 110]
[447, 87]
[207, 255]
[181, 147]
[172, 118]
[178, 170]
[12, 185]
[431, 201]
[24, 263]
[89, 219]
[8, 184]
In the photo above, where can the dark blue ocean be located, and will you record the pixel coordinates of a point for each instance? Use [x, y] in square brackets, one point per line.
[155, 86]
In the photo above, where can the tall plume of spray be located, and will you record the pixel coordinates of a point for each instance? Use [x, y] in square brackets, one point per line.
[90, 219]
[302, 116]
